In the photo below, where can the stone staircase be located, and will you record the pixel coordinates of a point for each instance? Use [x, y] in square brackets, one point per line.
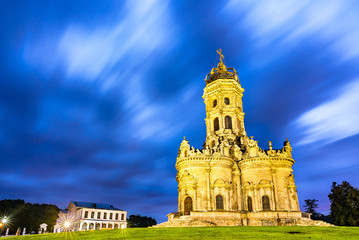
[185, 221]
[309, 222]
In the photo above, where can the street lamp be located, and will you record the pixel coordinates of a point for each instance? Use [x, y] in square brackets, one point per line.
[2, 224]
[67, 224]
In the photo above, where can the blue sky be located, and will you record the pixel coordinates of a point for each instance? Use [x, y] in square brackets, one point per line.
[96, 96]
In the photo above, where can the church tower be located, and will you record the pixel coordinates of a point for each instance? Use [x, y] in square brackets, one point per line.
[232, 181]
[224, 109]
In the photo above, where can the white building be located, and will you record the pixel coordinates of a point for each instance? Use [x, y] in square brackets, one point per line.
[83, 216]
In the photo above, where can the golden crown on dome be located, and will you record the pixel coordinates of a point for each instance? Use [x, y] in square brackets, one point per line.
[221, 71]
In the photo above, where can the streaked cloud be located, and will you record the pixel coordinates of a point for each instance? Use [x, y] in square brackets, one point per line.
[331, 23]
[332, 120]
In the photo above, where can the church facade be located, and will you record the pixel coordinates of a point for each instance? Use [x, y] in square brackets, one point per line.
[232, 181]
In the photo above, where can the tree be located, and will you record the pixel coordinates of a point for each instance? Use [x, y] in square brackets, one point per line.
[344, 207]
[27, 215]
[140, 221]
[310, 205]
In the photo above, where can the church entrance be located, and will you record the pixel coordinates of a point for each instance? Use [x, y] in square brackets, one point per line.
[187, 205]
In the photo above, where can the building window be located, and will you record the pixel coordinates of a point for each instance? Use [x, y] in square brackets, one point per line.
[228, 122]
[116, 216]
[99, 215]
[215, 102]
[122, 216]
[249, 204]
[110, 215]
[216, 124]
[92, 214]
[86, 214]
[226, 101]
[105, 216]
[265, 203]
[219, 202]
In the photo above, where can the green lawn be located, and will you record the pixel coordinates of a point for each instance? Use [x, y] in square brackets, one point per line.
[205, 233]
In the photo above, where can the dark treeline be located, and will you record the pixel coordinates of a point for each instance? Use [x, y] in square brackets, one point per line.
[26, 215]
[344, 206]
[140, 221]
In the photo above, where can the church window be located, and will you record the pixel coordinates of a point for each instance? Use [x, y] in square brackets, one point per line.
[216, 124]
[215, 102]
[226, 101]
[99, 215]
[86, 214]
[249, 204]
[228, 122]
[265, 203]
[219, 202]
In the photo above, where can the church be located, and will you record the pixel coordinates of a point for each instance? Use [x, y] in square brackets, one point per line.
[232, 181]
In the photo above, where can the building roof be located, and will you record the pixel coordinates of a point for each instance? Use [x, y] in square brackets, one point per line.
[94, 205]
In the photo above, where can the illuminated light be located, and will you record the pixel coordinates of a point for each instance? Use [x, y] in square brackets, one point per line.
[67, 224]
[4, 220]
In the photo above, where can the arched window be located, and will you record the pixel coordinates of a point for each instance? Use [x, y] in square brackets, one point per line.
[228, 122]
[265, 203]
[249, 204]
[187, 205]
[215, 102]
[216, 124]
[219, 202]
[226, 101]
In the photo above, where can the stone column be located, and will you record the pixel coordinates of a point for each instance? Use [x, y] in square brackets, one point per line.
[209, 207]
[195, 198]
[275, 195]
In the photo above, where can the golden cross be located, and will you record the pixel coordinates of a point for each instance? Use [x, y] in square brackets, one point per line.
[219, 51]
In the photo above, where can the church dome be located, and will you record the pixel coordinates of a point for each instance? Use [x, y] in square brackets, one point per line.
[221, 71]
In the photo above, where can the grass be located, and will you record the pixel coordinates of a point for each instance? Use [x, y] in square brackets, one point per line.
[205, 233]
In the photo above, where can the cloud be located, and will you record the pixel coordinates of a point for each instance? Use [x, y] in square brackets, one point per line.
[332, 120]
[330, 23]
